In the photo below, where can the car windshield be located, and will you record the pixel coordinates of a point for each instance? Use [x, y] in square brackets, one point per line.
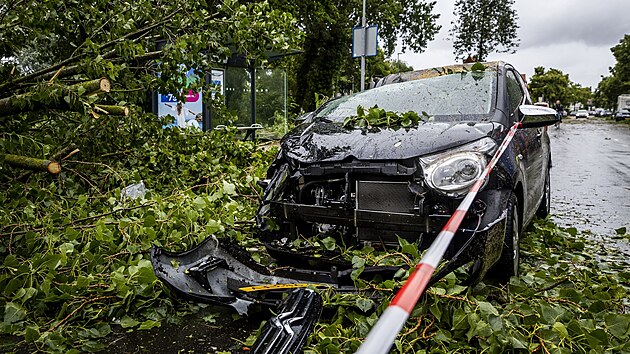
[458, 96]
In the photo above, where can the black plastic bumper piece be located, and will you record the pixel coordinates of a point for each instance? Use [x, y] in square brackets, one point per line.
[287, 332]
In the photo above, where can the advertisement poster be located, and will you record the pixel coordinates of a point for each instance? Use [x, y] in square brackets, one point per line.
[186, 114]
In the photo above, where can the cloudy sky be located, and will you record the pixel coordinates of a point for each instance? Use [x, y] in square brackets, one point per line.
[574, 36]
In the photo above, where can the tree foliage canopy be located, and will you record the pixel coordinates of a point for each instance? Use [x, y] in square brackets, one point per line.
[326, 66]
[483, 27]
[550, 85]
[618, 82]
[73, 248]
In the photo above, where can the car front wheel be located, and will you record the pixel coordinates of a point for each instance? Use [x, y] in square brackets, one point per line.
[507, 265]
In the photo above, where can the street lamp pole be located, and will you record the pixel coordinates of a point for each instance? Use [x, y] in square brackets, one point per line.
[363, 24]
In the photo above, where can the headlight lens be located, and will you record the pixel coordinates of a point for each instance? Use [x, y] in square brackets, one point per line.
[453, 172]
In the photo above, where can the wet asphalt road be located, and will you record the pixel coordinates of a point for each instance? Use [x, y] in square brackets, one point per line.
[591, 177]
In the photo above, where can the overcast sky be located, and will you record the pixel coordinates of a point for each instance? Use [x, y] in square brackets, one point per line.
[574, 36]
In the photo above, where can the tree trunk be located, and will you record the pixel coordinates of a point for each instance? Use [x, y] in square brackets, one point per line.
[31, 163]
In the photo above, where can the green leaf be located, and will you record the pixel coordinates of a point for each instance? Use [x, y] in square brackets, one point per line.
[149, 221]
[148, 324]
[211, 318]
[487, 309]
[213, 226]
[229, 188]
[478, 67]
[619, 326]
[561, 330]
[128, 322]
[330, 243]
[13, 312]
[31, 333]
[364, 304]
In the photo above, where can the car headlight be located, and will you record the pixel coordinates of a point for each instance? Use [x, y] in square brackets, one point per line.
[454, 171]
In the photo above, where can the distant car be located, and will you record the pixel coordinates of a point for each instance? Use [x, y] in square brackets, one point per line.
[582, 113]
[622, 114]
[604, 113]
[572, 113]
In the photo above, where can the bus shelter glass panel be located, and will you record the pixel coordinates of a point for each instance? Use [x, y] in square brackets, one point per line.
[237, 98]
[271, 102]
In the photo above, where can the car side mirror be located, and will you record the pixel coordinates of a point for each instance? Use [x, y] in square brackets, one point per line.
[537, 116]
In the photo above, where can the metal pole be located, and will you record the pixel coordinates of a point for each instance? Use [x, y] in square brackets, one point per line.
[363, 24]
[384, 332]
[285, 101]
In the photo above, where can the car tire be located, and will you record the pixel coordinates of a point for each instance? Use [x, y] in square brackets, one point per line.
[508, 264]
[545, 204]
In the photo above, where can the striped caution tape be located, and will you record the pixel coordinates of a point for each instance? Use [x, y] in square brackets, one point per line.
[384, 332]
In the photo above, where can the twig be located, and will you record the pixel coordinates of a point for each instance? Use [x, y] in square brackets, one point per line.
[56, 74]
[407, 260]
[110, 213]
[415, 328]
[424, 332]
[555, 299]
[65, 319]
[553, 285]
[451, 297]
[542, 345]
[98, 164]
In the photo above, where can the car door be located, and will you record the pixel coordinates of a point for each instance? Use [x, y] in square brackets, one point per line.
[530, 151]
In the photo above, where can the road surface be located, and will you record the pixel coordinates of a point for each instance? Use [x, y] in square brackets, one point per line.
[591, 177]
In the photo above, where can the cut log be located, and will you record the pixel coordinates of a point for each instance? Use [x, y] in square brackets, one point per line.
[112, 110]
[32, 163]
[101, 85]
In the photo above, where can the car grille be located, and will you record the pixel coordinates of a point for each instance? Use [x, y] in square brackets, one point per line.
[384, 196]
[388, 198]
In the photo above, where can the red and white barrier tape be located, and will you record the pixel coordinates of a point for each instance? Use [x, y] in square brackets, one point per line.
[384, 332]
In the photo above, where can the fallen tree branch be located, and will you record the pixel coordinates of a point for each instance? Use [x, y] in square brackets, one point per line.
[65, 319]
[32, 163]
[31, 102]
[112, 110]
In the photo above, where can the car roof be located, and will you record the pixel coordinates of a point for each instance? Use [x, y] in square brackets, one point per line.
[437, 71]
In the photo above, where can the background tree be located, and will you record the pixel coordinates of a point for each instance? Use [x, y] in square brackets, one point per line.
[552, 85]
[483, 27]
[326, 63]
[549, 86]
[579, 94]
[619, 80]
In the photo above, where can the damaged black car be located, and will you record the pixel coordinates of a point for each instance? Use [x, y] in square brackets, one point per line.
[361, 183]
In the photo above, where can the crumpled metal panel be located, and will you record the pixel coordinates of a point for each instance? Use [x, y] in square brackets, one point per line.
[287, 332]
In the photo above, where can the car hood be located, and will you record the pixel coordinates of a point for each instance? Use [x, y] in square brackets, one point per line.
[326, 142]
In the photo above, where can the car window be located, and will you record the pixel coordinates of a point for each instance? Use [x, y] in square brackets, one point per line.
[515, 91]
[458, 96]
